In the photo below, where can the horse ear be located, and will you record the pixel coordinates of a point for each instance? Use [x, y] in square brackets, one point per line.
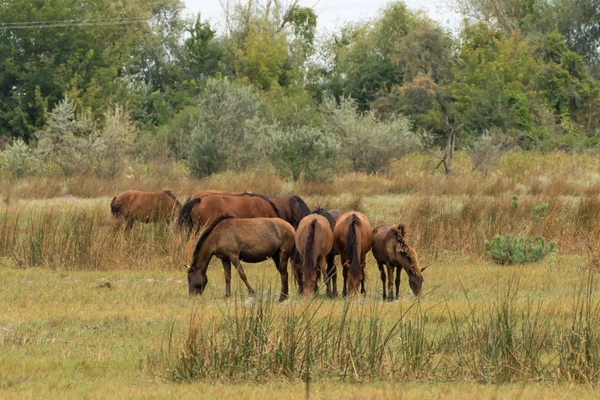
[424, 268]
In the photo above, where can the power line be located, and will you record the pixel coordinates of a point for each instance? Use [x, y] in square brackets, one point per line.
[72, 23]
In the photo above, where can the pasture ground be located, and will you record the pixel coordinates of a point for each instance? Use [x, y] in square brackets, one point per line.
[67, 335]
[85, 313]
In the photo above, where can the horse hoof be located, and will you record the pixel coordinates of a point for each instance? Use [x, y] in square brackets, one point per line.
[283, 298]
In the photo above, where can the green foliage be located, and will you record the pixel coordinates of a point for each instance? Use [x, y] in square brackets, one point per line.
[508, 249]
[64, 141]
[110, 147]
[369, 144]
[40, 66]
[539, 212]
[516, 202]
[226, 128]
[303, 152]
[19, 160]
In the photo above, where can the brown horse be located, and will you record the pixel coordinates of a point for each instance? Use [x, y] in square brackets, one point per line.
[390, 249]
[241, 239]
[198, 211]
[331, 216]
[314, 241]
[134, 205]
[352, 238]
[291, 209]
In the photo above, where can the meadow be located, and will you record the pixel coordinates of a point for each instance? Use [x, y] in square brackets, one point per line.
[87, 312]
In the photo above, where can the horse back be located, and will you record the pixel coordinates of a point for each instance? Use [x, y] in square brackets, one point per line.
[323, 236]
[363, 227]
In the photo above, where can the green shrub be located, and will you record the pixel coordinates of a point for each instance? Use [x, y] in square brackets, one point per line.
[508, 249]
[18, 159]
[303, 152]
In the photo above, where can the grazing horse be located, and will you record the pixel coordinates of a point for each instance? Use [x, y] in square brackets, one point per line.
[314, 241]
[201, 210]
[241, 239]
[134, 205]
[352, 238]
[331, 216]
[291, 209]
[390, 249]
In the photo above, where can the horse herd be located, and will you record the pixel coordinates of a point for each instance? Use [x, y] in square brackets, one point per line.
[252, 227]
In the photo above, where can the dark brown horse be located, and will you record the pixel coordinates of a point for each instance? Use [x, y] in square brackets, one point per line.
[331, 216]
[391, 250]
[234, 240]
[352, 238]
[291, 209]
[314, 240]
[199, 211]
[134, 205]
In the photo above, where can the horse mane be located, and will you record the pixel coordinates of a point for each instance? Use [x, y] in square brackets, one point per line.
[308, 263]
[351, 248]
[185, 214]
[206, 232]
[172, 196]
[262, 196]
[324, 213]
[296, 202]
[409, 252]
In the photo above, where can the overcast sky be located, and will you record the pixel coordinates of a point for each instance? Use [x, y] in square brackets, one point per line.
[333, 13]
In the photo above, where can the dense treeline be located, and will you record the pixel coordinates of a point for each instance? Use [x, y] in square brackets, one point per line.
[94, 87]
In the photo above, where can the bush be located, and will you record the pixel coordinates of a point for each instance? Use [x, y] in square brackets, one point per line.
[227, 120]
[109, 148]
[508, 249]
[303, 152]
[367, 143]
[19, 160]
[64, 142]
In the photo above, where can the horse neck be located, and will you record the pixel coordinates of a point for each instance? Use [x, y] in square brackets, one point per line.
[202, 259]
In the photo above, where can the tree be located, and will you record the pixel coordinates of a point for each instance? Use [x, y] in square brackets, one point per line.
[64, 141]
[89, 59]
[227, 132]
[303, 152]
[369, 144]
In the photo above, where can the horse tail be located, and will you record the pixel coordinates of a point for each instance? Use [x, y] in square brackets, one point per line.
[185, 214]
[351, 249]
[177, 204]
[206, 233]
[309, 261]
[115, 209]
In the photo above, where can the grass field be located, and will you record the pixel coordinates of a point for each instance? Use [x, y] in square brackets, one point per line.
[88, 313]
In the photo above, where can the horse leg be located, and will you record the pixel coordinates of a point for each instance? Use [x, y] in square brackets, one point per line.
[390, 272]
[240, 270]
[382, 274]
[281, 263]
[332, 292]
[398, 270]
[129, 224]
[345, 275]
[322, 261]
[362, 282]
[227, 268]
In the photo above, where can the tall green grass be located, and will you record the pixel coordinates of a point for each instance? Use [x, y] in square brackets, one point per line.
[501, 342]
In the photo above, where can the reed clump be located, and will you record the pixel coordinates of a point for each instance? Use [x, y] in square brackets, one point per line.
[495, 344]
